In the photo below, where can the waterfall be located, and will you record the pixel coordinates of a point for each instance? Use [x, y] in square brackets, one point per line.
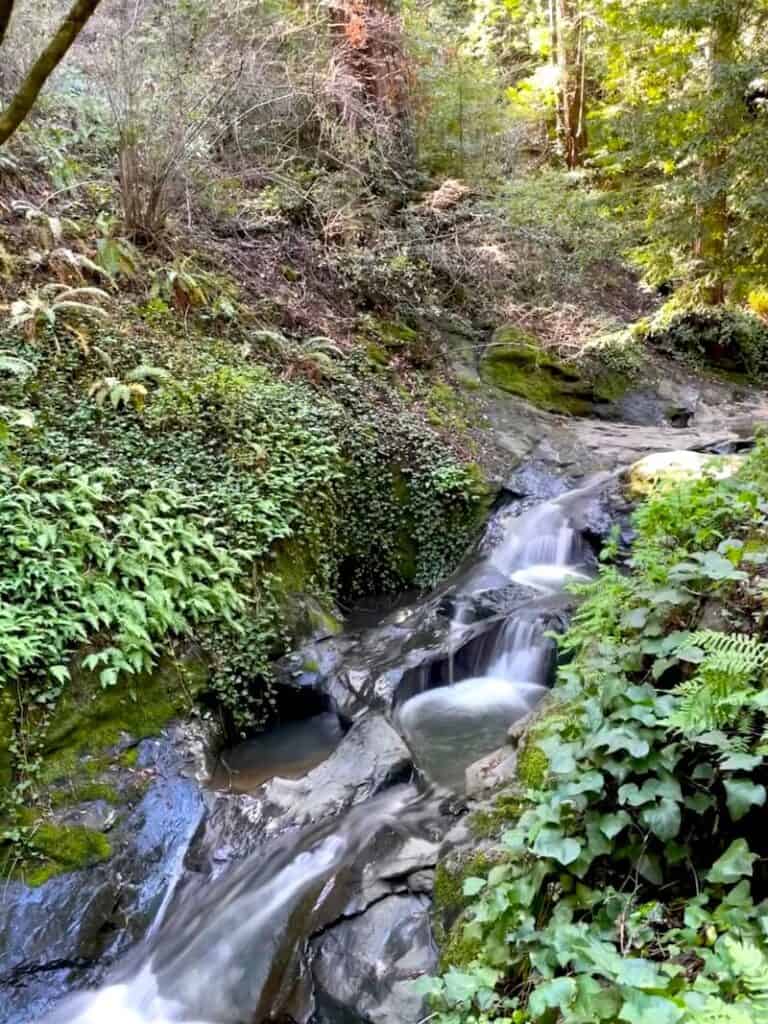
[453, 725]
[231, 950]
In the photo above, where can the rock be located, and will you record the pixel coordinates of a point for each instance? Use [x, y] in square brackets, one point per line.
[649, 473]
[369, 758]
[449, 194]
[364, 968]
[516, 363]
[63, 933]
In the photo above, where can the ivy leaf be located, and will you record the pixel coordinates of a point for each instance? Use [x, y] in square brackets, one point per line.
[460, 987]
[553, 844]
[641, 1008]
[472, 886]
[663, 819]
[552, 995]
[611, 824]
[636, 618]
[741, 795]
[741, 762]
[621, 739]
[735, 863]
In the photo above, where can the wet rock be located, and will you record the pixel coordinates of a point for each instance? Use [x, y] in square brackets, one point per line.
[364, 968]
[64, 933]
[370, 758]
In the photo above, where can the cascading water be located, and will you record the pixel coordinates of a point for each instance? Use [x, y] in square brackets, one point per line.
[451, 726]
[230, 951]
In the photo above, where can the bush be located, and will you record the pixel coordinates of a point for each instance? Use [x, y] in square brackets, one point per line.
[722, 336]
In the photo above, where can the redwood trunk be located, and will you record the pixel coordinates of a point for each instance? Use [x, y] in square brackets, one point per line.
[568, 30]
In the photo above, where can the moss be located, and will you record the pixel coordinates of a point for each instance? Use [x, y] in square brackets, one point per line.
[83, 793]
[377, 354]
[505, 811]
[7, 729]
[516, 363]
[129, 758]
[90, 719]
[393, 334]
[532, 765]
[459, 949]
[55, 850]
[449, 898]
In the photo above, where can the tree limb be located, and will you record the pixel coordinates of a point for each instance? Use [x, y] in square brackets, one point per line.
[6, 10]
[46, 63]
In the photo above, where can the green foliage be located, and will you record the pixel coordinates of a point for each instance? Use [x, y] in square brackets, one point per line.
[631, 889]
[88, 560]
[726, 337]
[55, 306]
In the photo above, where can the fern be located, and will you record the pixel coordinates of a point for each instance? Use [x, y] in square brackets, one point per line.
[721, 693]
[735, 654]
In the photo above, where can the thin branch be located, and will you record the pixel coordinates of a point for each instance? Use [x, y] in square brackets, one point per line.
[6, 10]
[46, 63]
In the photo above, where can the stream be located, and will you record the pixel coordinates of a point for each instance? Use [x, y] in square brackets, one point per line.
[305, 892]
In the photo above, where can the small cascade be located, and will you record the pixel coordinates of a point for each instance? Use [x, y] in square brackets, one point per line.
[458, 722]
[231, 954]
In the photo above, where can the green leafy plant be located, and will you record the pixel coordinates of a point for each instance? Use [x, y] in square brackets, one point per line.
[56, 305]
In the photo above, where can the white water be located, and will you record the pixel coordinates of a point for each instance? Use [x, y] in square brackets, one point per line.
[452, 726]
[216, 961]
[221, 958]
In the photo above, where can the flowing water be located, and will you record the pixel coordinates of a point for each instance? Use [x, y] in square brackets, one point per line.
[229, 952]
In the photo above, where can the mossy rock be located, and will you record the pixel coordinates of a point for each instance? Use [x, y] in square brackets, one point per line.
[58, 849]
[90, 719]
[514, 362]
[7, 716]
[663, 469]
[394, 335]
[302, 612]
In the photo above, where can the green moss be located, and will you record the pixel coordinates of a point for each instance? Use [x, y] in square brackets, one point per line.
[377, 354]
[393, 334]
[532, 765]
[54, 850]
[7, 717]
[130, 757]
[449, 896]
[83, 793]
[459, 949]
[516, 363]
[449, 904]
[90, 719]
[489, 824]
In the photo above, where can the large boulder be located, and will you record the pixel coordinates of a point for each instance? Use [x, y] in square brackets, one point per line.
[654, 471]
[514, 362]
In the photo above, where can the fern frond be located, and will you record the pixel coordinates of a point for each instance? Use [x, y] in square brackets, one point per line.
[735, 654]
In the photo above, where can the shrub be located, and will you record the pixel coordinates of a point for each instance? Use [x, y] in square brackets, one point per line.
[721, 336]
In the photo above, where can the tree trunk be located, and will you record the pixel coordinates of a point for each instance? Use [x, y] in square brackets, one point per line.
[46, 63]
[368, 46]
[568, 29]
[6, 10]
[711, 245]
